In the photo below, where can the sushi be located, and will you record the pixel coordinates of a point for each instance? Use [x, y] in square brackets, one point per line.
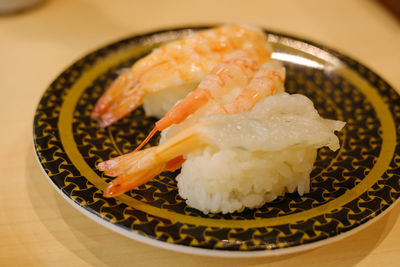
[237, 161]
[237, 149]
[253, 157]
[171, 71]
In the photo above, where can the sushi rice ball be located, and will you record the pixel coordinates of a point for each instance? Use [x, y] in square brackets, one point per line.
[253, 157]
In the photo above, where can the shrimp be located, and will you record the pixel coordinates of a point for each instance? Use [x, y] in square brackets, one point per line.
[138, 167]
[178, 66]
[236, 71]
[150, 162]
[267, 81]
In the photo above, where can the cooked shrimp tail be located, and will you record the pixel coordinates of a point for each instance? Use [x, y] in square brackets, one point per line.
[122, 83]
[129, 181]
[118, 165]
[124, 95]
[133, 98]
[138, 167]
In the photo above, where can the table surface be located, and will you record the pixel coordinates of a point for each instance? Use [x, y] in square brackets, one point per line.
[38, 227]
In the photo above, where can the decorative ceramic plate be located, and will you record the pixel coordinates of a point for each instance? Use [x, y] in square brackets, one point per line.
[349, 187]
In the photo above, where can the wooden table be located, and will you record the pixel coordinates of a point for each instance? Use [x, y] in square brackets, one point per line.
[38, 227]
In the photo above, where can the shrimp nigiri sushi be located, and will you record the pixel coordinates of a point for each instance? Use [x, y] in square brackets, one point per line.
[239, 140]
[253, 157]
[243, 160]
[173, 70]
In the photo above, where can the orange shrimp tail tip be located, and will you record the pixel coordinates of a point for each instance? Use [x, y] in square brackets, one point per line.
[103, 166]
[132, 179]
[101, 124]
[108, 165]
[118, 187]
[107, 119]
[112, 116]
[131, 99]
[97, 110]
[95, 115]
[111, 190]
[111, 95]
[118, 165]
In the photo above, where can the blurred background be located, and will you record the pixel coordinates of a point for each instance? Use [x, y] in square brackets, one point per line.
[62, 31]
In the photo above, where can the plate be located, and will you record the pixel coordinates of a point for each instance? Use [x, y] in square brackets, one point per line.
[350, 188]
